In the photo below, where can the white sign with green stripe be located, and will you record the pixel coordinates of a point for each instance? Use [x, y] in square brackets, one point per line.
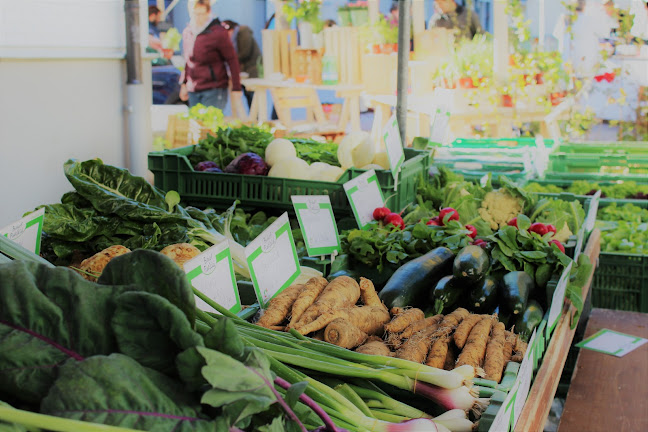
[27, 231]
[557, 301]
[611, 342]
[212, 273]
[272, 259]
[394, 146]
[365, 196]
[317, 223]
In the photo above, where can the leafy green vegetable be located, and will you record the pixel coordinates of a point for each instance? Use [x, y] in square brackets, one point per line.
[118, 391]
[209, 116]
[578, 278]
[151, 330]
[566, 216]
[227, 143]
[172, 199]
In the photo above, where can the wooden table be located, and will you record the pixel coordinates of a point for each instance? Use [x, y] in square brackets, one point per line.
[350, 93]
[538, 403]
[608, 392]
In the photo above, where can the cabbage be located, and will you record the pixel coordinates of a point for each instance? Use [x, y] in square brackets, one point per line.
[248, 163]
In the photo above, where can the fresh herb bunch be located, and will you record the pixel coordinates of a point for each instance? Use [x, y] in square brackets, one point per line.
[226, 144]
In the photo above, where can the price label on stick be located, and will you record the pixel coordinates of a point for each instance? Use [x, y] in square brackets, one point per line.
[557, 301]
[273, 261]
[394, 145]
[27, 231]
[590, 219]
[317, 223]
[212, 273]
[365, 196]
[439, 126]
[525, 375]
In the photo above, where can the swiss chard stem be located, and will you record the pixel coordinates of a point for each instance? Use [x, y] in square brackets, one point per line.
[311, 404]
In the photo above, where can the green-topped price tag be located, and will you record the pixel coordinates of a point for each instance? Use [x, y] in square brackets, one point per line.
[394, 145]
[212, 273]
[611, 342]
[557, 301]
[439, 126]
[590, 219]
[27, 231]
[317, 223]
[273, 261]
[503, 421]
[579, 242]
[365, 196]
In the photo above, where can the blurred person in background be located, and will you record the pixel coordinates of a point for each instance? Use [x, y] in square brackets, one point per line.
[154, 16]
[208, 52]
[248, 51]
[448, 14]
[392, 18]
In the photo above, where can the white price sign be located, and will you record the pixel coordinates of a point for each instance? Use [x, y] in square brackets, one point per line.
[317, 223]
[365, 196]
[557, 301]
[439, 126]
[503, 421]
[212, 273]
[27, 231]
[272, 259]
[590, 219]
[394, 145]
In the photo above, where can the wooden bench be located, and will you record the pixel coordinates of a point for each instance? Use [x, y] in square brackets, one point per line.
[608, 392]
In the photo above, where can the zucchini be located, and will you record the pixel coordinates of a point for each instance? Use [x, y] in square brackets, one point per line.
[514, 290]
[529, 320]
[409, 285]
[445, 294]
[471, 265]
[246, 292]
[483, 298]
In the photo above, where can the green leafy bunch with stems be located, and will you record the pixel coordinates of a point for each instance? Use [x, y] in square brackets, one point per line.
[306, 11]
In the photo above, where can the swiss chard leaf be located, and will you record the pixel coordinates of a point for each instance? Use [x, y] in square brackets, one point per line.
[116, 390]
[145, 268]
[152, 331]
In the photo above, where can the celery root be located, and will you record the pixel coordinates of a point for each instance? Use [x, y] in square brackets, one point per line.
[342, 333]
[341, 293]
[401, 321]
[279, 307]
[311, 290]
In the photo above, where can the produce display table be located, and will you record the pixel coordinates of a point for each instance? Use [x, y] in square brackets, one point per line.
[608, 392]
[537, 406]
[349, 92]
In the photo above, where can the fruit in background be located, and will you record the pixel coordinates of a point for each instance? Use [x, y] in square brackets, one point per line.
[380, 213]
[279, 148]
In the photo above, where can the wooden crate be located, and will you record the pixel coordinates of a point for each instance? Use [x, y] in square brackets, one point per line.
[279, 49]
[343, 43]
[379, 73]
[307, 65]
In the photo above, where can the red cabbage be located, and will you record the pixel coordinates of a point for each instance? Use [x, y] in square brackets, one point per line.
[248, 163]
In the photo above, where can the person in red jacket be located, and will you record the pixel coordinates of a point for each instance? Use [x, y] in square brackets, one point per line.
[208, 52]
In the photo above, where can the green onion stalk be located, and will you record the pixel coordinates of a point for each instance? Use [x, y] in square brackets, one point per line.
[285, 349]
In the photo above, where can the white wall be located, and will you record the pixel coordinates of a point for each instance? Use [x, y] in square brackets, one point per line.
[62, 94]
[50, 111]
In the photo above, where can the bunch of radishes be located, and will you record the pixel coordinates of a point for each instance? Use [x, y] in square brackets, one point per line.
[386, 216]
[541, 229]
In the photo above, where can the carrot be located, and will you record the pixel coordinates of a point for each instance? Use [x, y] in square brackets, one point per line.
[509, 344]
[416, 347]
[520, 350]
[462, 332]
[438, 352]
[451, 321]
[369, 319]
[420, 325]
[475, 348]
[342, 333]
[341, 293]
[375, 347]
[311, 290]
[404, 319]
[451, 357]
[368, 294]
[279, 306]
[494, 363]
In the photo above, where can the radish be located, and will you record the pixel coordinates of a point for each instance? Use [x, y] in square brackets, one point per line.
[551, 228]
[380, 213]
[394, 219]
[434, 221]
[454, 214]
[558, 244]
[538, 228]
[473, 231]
[512, 222]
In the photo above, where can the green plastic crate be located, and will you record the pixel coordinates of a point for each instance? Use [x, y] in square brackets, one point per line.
[594, 177]
[621, 282]
[173, 171]
[599, 147]
[498, 143]
[598, 163]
